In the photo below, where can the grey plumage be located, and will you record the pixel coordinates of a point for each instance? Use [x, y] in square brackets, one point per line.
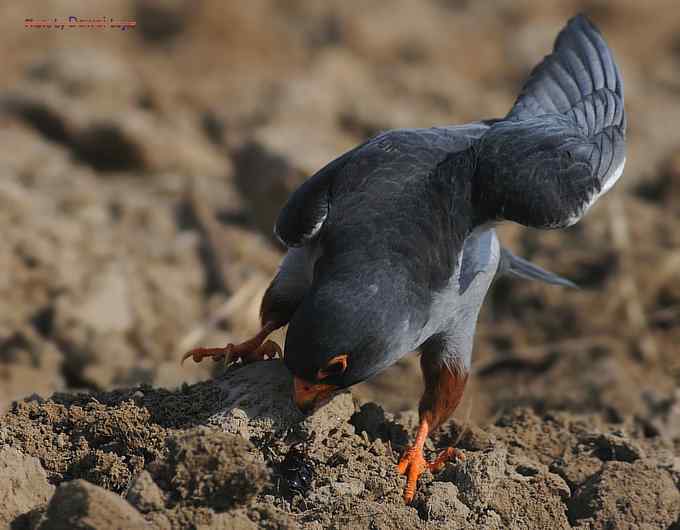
[398, 232]
[563, 143]
[512, 265]
[477, 256]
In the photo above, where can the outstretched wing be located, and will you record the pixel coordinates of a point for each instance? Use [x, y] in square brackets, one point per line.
[387, 159]
[562, 145]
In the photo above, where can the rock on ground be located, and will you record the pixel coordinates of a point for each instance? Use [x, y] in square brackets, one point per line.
[144, 494]
[23, 485]
[250, 412]
[211, 468]
[598, 503]
[79, 505]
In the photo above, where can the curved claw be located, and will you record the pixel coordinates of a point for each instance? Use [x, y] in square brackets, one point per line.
[270, 349]
[234, 352]
[198, 354]
[448, 454]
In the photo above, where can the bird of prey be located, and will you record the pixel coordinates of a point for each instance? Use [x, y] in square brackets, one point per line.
[392, 247]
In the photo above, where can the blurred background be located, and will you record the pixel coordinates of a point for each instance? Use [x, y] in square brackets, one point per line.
[141, 172]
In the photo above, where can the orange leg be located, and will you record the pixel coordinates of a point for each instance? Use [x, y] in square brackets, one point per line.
[443, 391]
[255, 349]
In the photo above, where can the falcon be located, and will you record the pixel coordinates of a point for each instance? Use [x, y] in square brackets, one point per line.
[392, 247]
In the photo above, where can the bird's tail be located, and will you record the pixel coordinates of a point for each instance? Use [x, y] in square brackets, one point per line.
[519, 267]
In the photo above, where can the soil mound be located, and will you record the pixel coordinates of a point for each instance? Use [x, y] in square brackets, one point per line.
[248, 467]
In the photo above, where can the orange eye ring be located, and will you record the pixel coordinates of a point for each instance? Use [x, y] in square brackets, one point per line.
[336, 366]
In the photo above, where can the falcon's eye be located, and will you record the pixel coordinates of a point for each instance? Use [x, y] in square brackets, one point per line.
[336, 366]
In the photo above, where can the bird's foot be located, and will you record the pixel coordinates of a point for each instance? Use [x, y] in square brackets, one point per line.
[413, 463]
[248, 352]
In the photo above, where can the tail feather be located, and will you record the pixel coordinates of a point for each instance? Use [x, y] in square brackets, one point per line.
[519, 267]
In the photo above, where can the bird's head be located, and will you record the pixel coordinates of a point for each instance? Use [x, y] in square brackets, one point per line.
[342, 334]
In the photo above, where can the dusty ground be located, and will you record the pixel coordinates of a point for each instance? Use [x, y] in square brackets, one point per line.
[225, 454]
[140, 174]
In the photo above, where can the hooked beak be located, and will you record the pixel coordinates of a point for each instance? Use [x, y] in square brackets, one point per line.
[308, 396]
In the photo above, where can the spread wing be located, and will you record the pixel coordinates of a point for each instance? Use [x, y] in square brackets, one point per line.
[562, 145]
[390, 157]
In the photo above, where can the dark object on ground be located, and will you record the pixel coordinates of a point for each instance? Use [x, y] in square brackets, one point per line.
[297, 470]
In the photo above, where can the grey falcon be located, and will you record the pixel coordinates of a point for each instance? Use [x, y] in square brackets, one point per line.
[392, 247]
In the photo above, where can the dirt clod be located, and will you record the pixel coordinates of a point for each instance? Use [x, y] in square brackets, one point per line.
[80, 505]
[23, 485]
[82, 438]
[651, 499]
[144, 494]
[205, 467]
[442, 503]
[246, 410]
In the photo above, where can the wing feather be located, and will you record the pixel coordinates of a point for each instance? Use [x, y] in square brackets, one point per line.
[563, 143]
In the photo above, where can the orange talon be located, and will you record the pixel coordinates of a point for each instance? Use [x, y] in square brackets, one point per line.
[233, 352]
[249, 351]
[413, 463]
[198, 354]
[448, 454]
